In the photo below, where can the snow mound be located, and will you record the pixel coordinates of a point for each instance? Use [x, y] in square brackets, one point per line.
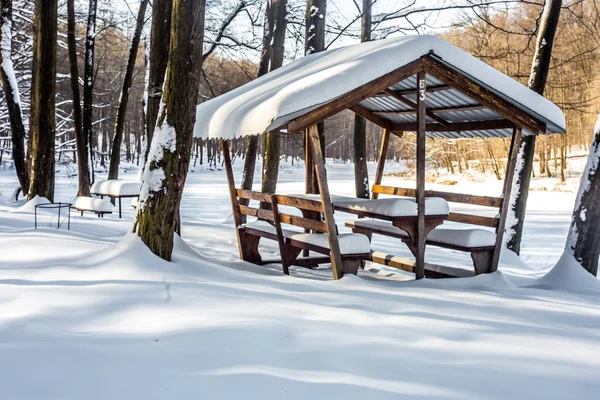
[494, 281]
[568, 275]
[510, 260]
[29, 207]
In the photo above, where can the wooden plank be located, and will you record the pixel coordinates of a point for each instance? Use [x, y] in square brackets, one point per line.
[253, 195]
[334, 246]
[486, 201]
[309, 177]
[421, 140]
[437, 88]
[266, 215]
[310, 224]
[469, 107]
[480, 220]
[385, 141]
[508, 184]
[237, 214]
[483, 95]
[303, 204]
[410, 103]
[366, 114]
[431, 270]
[355, 96]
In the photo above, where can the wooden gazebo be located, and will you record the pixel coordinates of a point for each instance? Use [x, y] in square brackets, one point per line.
[418, 84]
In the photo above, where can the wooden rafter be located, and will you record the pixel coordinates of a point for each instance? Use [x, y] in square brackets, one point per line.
[414, 105]
[470, 107]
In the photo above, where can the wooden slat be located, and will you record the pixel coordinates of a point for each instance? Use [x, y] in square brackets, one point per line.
[237, 218]
[437, 88]
[353, 97]
[406, 264]
[469, 107]
[303, 204]
[480, 220]
[252, 195]
[456, 126]
[317, 226]
[266, 215]
[483, 95]
[486, 201]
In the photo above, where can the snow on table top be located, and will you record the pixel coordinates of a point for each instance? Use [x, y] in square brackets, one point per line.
[278, 97]
[116, 188]
[92, 204]
[388, 207]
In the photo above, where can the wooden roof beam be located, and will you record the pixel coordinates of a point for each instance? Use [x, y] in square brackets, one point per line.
[483, 95]
[368, 115]
[430, 89]
[355, 96]
[411, 104]
[457, 126]
[470, 107]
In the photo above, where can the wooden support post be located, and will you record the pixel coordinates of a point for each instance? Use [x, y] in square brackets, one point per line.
[319, 164]
[237, 216]
[385, 141]
[310, 167]
[421, 117]
[508, 184]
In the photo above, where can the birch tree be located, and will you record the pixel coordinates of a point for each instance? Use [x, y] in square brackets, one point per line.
[168, 160]
[42, 119]
[583, 240]
[13, 97]
[115, 155]
[537, 82]
[88, 83]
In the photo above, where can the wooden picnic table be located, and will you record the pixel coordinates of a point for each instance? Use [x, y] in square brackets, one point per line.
[401, 212]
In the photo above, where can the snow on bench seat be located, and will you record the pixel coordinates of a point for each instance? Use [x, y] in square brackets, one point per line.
[467, 238]
[84, 203]
[116, 188]
[350, 243]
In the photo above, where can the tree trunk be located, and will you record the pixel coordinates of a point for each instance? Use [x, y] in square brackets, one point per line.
[277, 24]
[169, 156]
[361, 173]
[316, 11]
[583, 240]
[88, 83]
[80, 138]
[537, 82]
[159, 56]
[43, 123]
[13, 98]
[115, 154]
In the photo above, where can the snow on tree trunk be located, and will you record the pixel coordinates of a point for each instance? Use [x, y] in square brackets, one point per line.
[271, 148]
[42, 116]
[115, 155]
[160, 38]
[13, 98]
[80, 139]
[169, 156]
[537, 82]
[88, 84]
[361, 173]
[583, 240]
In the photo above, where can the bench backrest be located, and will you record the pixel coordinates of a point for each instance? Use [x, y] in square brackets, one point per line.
[310, 209]
[245, 208]
[485, 201]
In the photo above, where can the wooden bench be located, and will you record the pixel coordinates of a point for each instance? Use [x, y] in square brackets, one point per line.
[98, 206]
[480, 243]
[283, 228]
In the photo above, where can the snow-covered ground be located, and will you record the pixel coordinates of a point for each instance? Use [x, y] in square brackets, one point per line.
[90, 313]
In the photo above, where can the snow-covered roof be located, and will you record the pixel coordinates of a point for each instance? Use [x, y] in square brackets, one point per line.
[277, 98]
